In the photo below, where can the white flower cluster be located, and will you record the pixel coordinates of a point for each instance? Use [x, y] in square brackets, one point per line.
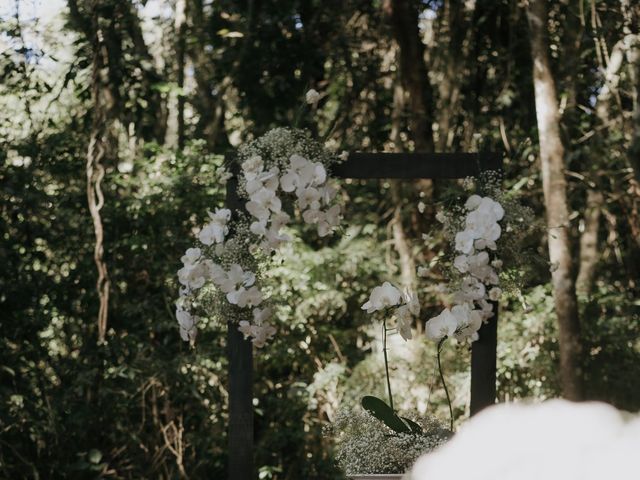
[236, 283]
[308, 180]
[480, 278]
[406, 306]
[261, 183]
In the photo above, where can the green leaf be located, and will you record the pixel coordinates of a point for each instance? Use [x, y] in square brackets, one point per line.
[415, 428]
[384, 413]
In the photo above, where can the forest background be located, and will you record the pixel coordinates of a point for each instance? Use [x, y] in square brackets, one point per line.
[161, 89]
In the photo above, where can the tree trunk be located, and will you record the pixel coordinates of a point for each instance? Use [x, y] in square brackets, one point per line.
[555, 197]
[589, 253]
[413, 72]
[631, 14]
[400, 241]
[210, 106]
[180, 30]
[456, 29]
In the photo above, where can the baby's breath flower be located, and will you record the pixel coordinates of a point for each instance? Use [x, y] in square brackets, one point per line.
[365, 445]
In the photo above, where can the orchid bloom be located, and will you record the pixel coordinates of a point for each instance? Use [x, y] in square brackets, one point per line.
[383, 296]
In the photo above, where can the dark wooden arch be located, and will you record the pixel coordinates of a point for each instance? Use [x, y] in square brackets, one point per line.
[406, 166]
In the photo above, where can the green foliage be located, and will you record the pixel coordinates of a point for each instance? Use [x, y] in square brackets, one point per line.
[383, 412]
[365, 444]
[144, 405]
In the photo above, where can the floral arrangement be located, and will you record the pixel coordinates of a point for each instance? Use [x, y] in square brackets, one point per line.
[378, 439]
[476, 237]
[364, 445]
[477, 262]
[221, 272]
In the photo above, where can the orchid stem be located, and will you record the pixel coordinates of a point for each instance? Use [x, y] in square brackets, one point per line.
[444, 384]
[386, 360]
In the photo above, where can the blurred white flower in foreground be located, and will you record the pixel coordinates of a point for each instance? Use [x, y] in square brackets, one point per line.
[556, 440]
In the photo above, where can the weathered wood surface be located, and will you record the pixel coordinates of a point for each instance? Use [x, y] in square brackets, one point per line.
[416, 165]
[483, 365]
[240, 387]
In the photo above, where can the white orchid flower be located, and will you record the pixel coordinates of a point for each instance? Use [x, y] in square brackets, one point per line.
[328, 193]
[443, 325]
[258, 228]
[333, 216]
[297, 161]
[311, 216]
[461, 263]
[187, 324]
[191, 256]
[268, 180]
[261, 334]
[251, 298]
[212, 233]
[245, 328]
[473, 202]
[184, 318]
[279, 220]
[464, 241]
[472, 288]
[469, 321]
[257, 210]
[214, 271]
[319, 174]
[308, 196]
[403, 319]
[491, 208]
[253, 164]
[193, 276]
[383, 296]
[486, 308]
[410, 299]
[289, 181]
[261, 314]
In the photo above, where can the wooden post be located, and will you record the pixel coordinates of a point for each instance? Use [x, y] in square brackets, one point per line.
[483, 364]
[240, 356]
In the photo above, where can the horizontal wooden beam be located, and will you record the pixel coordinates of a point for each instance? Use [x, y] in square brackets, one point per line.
[416, 165]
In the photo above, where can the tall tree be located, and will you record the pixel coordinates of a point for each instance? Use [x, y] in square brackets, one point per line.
[631, 14]
[413, 71]
[414, 93]
[181, 33]
[555, 199]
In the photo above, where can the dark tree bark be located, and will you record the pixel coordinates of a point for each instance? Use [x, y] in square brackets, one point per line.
[555, 197]
[210, 106]
[180, 27]
[400, 240]
[413, 72]
[589, 252]
[151, 120]
[631, 14]
[457, 29]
